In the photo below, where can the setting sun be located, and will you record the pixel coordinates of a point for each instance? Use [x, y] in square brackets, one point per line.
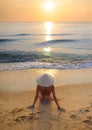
[49, 6]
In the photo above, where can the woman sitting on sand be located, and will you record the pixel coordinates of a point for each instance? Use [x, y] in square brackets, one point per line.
[45, 90]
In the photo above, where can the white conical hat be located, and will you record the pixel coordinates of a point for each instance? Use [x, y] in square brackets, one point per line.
[45, 80]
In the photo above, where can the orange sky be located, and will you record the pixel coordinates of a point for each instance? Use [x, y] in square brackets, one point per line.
[33, 10]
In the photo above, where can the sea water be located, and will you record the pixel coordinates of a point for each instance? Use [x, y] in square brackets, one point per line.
[45, 45]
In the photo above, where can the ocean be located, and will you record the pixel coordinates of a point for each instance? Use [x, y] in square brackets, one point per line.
[45, 45]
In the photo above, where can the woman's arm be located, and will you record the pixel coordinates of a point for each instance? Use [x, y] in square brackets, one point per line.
[55, 99]
[36, 95]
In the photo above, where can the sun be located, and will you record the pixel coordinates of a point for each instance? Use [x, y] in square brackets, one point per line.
[49, 6]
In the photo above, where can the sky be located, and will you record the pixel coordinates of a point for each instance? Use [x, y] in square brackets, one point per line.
[46, 10]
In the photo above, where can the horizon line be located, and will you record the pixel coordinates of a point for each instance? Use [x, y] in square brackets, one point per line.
[45, 21]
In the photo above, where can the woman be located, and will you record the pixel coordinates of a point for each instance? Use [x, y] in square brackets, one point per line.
[45, 90]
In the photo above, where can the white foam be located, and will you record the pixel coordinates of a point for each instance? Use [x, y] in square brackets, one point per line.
[30, 65]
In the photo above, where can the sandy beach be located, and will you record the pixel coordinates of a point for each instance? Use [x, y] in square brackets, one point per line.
[73, 90]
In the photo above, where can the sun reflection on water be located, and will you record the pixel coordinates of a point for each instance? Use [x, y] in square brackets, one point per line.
[48, 37]
[47, 49]
[48, 30]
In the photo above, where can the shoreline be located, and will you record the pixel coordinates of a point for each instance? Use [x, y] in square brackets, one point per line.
[45, 69]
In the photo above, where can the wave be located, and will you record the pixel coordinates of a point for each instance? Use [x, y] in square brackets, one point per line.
[57, 41]
[21, 56]
[37, 65]
[12, 60]
[22, 34]
[6, 40]
[40, 34]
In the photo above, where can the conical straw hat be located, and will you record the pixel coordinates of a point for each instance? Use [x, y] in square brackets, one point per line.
[45, 80]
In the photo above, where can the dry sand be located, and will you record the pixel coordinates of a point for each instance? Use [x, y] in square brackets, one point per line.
[75, 98]
[19, 80]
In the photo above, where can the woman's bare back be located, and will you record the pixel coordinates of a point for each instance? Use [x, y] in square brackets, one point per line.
[45, 92]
